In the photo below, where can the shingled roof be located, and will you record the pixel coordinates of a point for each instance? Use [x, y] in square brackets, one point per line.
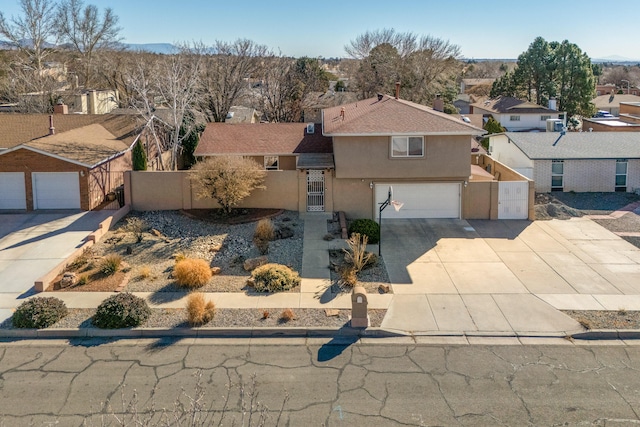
[507, 104]
[577, 145]
[386, 115]
[260, 139]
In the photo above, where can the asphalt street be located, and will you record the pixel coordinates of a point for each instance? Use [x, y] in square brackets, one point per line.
[317, 382]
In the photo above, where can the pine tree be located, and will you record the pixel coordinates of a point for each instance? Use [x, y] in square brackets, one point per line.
[139, 157]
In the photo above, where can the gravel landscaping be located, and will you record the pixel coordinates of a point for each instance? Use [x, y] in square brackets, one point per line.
[224, 318]
[172, 233]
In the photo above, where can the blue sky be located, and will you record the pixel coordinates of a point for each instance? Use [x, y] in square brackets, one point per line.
[483, 29]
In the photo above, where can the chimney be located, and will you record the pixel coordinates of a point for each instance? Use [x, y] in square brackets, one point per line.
[61, 108]
[552, 103]
[397, 90]
[93, 102]
[342, 113]
[380, 96]
[438, 103]
[52, 130]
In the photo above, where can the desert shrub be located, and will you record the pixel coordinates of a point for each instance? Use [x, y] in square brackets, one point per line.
[265, 314]
[274, 278]
[179, 256]
[81, 260]
[83, 280]
[192, 273]
[136, 226]
[145, 271]
[199, 309]
[262, 245]
[264, 230]
[366, 227]
[348, 276]
[287, 315]
[123, 310]
[357, 254]
[39, 312]
[110, 264]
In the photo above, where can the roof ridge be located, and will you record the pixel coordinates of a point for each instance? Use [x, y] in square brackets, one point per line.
[431, 110]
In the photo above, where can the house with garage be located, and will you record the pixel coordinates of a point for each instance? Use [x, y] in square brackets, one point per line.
[63, 161]
[350, 160]
[611, 103]
[516, 115]
[573, 161]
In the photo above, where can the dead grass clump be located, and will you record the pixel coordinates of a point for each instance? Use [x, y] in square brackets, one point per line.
[179, 256]
[264, 230]
[265, 314]
[144, 272]
[110, 264]
[81, 260]
[585, 323]
[192, 273]
[200, 311]
[357, 254]
[287, 315]
[348, 276]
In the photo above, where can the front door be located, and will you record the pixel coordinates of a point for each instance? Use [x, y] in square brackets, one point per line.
[315, 191]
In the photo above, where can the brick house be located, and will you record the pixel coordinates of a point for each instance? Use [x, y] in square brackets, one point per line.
[63, 161]
[575, 161]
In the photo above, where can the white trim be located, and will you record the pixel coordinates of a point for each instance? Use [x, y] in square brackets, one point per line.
[44, 153]
[407, 134]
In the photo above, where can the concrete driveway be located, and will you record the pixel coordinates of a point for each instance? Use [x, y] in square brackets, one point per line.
[31, 244]
[504, 276]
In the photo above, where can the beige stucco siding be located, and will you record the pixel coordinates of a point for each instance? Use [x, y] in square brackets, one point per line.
[446, 157]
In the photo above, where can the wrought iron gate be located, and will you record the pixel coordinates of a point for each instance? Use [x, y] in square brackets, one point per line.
[315, 191]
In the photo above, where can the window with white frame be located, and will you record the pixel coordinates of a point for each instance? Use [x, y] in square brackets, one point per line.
[621, 174]
[271, 163]
[407, 146]
[544, 118]
[557, 175]
[514, 118]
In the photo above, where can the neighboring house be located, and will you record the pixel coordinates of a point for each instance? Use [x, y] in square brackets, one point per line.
[606, 89]
[351, 160]
[575, 161]
[516, 115]
[628, 120]
[469, 85]
[63, 161]
[315, 102]
[463, 103]
[238, 114]
[611, 103]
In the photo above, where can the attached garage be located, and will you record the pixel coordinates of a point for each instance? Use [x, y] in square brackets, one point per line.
[56, 190]
[421, 200]
[12, 191]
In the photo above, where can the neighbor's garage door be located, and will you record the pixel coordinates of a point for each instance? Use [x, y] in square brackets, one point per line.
[56, 190]
[12, 192]
[435, 200]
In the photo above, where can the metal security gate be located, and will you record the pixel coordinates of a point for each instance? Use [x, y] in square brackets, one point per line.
[315, 191]
[513, 200]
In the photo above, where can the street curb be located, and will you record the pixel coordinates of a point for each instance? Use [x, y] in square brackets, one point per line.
[318, 332]
[608, 334]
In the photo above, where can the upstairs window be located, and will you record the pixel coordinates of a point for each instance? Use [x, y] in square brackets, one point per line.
[271, 163]
[407, 146]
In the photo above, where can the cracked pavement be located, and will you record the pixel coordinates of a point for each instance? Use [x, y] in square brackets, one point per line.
[328, 383]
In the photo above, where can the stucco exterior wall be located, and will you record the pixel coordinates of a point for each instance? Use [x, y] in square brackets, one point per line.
[284, 162]
[172, 191]
[27, 161]
[354, 197]
[446, 157]
[478, 200]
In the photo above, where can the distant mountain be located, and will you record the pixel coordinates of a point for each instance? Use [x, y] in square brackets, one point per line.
[163, 48]
[613, 58]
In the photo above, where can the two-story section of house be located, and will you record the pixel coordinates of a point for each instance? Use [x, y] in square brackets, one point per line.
[516, 115]
[384, 142]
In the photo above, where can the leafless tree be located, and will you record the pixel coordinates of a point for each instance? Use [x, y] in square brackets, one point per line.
[276, 92]
[226, 75]
[86, 30]
[33, 36]
[170, 83]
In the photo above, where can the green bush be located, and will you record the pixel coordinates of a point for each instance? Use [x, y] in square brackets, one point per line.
[39, 312]
[122, 310]
[367, 227]
[274, 278]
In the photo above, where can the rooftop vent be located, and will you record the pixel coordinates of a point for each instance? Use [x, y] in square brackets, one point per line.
[380, 96]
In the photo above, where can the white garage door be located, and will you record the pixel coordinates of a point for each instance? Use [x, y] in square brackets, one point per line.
[12, 192]
[56, 190]
[434, 200]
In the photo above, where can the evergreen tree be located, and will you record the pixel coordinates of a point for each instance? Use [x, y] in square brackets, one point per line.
[139, 157]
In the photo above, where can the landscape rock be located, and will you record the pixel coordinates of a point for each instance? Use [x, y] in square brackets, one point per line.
[384, 288]
[283, 233]
[251, 282]
[68, 279]
[215, 270]
[156, 233]
[216, 248]
[331, 312]
[252, 263]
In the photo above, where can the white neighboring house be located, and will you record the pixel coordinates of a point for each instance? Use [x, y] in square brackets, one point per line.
[516, 115]
[575, 161]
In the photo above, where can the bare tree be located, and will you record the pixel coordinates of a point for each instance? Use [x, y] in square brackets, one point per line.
[170, 83]
[33, 36]
[227, 72]
[86, 30]
[276, 91]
